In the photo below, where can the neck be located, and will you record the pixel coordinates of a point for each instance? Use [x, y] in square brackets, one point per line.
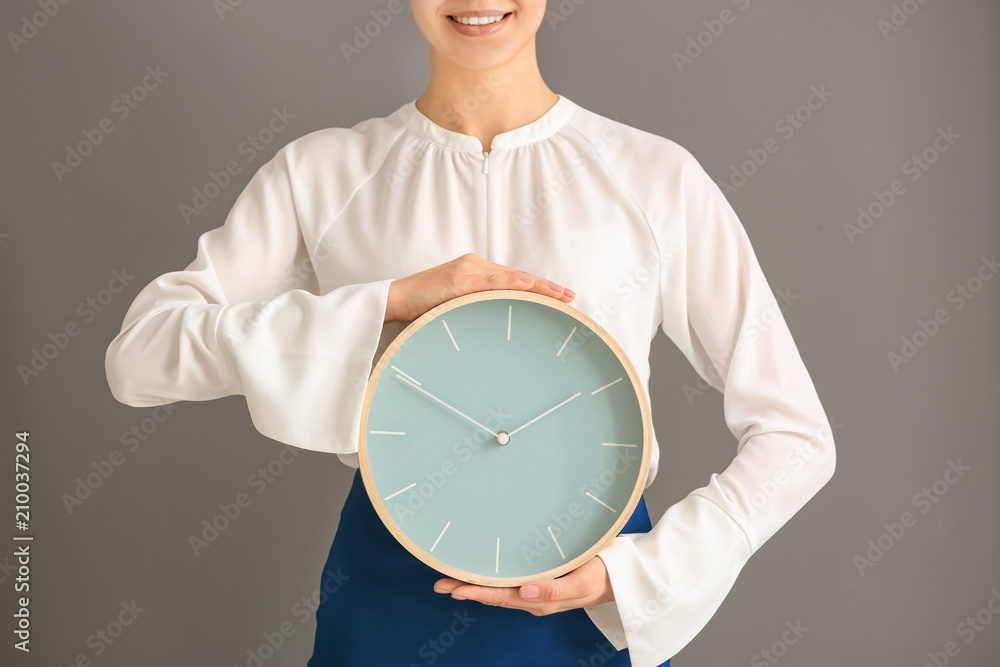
[486, 102]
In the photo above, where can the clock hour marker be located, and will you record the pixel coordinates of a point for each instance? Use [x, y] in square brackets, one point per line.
[388, 432]
[566, 342]
[440, 536]
[393, 495]
[616, 444]
[414, 381]
[450, 336]
[605, 386]
[556, 543]
[510, 313]
[497, 568]
[601, 502]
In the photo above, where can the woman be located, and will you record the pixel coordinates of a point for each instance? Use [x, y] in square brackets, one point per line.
[490, 180]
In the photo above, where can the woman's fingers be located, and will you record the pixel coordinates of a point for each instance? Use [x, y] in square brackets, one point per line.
[477, 274]
[587, 585]
[414, 295]
[542, 286]
[519, 280]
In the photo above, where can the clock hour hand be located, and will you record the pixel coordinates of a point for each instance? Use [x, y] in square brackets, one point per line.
[456, 411]
[545, 413]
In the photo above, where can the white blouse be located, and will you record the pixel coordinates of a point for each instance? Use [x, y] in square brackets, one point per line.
[285, 303]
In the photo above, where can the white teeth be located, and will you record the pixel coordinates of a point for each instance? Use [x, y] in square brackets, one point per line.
[476, 20]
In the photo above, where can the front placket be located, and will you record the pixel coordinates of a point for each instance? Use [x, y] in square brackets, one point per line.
[486, 206]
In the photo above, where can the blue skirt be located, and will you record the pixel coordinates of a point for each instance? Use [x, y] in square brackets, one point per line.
[383, 611]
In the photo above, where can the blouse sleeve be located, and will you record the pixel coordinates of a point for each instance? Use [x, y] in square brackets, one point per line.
[720, 311]
[246, 317]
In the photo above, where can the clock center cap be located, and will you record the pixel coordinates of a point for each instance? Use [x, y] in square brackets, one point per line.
[503, 438]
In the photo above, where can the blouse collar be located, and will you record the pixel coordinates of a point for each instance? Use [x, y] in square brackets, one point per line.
[549, 123]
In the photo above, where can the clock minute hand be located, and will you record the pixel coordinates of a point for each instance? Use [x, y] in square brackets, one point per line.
[456, 411]
[545, 413]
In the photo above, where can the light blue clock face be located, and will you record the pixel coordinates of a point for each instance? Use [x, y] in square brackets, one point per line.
[504, 438]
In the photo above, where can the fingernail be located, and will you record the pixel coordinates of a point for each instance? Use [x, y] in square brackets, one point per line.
[555, 287]
[570, 293]
[527, 279]
[455, 597]
[440, 590]
[529, 592]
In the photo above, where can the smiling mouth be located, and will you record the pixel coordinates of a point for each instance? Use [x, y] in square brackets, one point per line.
[479, 20]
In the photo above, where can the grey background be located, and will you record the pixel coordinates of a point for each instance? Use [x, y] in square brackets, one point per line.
[895, 431]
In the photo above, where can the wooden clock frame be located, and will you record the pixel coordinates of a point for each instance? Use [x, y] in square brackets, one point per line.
[644, 409]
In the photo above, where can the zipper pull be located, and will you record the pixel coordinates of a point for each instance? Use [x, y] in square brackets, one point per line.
[486, 162]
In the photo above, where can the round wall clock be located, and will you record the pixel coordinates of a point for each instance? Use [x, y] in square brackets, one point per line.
[505, 437]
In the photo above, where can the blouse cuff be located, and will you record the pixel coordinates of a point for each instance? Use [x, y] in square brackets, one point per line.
[668, 583]
[302, 362]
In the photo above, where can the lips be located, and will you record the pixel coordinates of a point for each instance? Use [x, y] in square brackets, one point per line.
[475, 24]
[478, 20]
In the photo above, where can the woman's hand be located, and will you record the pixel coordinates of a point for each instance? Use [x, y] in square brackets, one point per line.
[587, 585]
[411, 297]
